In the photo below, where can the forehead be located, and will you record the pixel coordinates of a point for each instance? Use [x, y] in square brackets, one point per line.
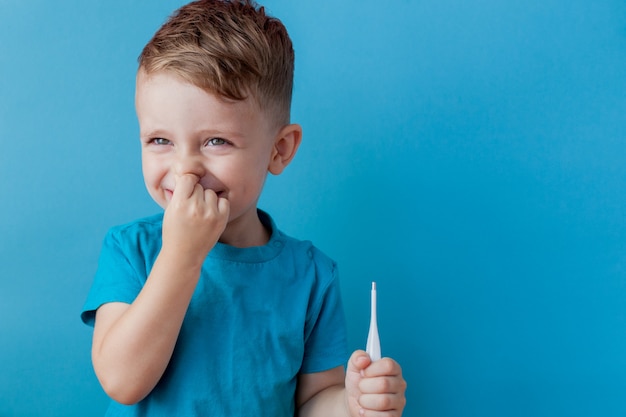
[164, 79]
[169, 81]
[163, 100]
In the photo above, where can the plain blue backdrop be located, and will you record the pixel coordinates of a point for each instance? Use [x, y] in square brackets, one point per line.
[470, 156]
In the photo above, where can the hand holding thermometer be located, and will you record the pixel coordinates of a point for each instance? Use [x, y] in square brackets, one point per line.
[373, 341]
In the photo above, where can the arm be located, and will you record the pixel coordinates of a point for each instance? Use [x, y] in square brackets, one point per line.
[132, 344]
[321, 394]
[370, 388]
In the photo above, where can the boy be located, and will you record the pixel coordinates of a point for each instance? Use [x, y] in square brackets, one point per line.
[208, 309]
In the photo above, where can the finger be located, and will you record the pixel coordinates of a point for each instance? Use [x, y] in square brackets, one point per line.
[209, 196]
[185, 186]
[198, 193]
[381, 402]
[358, 362]
[382, 385]
[223, 206]
[383, 367]
[220, 203]
[374, 413]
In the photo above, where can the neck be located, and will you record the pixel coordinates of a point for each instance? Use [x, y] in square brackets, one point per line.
[245, 232]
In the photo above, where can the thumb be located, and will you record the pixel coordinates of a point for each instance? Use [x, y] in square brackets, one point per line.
[359, 360]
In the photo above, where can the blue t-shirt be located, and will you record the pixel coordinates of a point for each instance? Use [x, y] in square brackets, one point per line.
[259, 317]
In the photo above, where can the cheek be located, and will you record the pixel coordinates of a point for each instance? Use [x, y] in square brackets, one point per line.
[245, 184]
[244, 171]
[255, 172]
[153, 181]
[153, 171]
[255, 181]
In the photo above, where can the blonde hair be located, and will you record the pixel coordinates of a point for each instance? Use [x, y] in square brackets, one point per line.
[230, 48]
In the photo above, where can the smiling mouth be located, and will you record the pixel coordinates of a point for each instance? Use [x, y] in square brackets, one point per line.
[169, 193]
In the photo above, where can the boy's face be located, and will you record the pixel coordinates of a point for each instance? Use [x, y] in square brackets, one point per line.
[184, 129]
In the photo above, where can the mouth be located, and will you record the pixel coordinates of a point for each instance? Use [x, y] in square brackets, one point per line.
[169, 193]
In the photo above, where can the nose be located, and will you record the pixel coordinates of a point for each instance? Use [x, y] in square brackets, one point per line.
[189, 163]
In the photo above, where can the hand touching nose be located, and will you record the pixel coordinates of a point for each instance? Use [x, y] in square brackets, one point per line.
[189, 161]
[194, 219]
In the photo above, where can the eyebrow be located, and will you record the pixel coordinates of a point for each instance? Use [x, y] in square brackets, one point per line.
[160, 132]
[153, 133]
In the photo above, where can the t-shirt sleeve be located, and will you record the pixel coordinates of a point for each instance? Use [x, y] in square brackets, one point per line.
[117, 278]
[325, 332]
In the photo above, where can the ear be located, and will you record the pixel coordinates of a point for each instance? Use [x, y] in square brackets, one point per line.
[285, 147]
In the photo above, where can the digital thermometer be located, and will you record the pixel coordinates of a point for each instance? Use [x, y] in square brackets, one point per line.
[373, 341]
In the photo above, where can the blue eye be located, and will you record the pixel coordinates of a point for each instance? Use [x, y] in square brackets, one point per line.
[216, 142]
[160, 141]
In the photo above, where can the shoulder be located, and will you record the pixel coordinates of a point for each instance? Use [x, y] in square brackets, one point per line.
[139, 236]
[303, 251]
[307, 250]
[145, 226]
[314, 269]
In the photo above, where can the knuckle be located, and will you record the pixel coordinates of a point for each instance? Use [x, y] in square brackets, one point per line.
[384, 402]
[384, 385]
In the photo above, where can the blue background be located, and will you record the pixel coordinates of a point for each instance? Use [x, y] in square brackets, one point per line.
[468, 156]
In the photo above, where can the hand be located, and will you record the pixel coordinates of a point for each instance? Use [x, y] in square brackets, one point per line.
[374, 388]
[194, 219]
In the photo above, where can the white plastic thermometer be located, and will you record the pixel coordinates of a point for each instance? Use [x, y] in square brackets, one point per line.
[373, 341]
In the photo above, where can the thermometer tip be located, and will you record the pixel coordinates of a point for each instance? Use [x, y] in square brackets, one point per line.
[373, 285]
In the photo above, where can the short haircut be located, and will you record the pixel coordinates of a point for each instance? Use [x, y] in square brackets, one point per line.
[230, 48]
